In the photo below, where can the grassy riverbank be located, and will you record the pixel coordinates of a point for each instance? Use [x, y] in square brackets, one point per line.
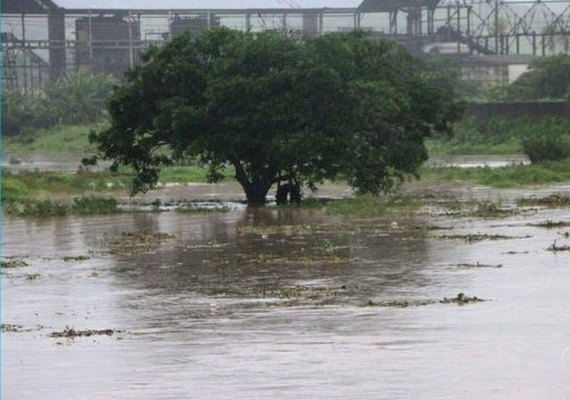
[554, 172]
[45, 184]
[69, 141]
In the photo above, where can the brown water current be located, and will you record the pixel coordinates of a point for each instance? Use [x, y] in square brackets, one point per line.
[286, 304]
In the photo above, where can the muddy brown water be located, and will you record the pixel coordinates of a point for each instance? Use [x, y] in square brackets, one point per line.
[275, 304]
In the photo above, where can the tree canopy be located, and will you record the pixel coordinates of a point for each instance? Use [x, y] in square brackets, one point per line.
[280, 110]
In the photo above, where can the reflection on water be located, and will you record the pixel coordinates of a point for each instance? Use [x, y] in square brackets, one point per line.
[262, 304]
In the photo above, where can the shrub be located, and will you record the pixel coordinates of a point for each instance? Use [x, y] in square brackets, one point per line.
[78, 97]
[548, 140]
[21, 111]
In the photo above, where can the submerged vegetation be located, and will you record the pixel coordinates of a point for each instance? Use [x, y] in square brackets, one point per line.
[367, 206]
[13, 262]
[73, 333]
[552, 201]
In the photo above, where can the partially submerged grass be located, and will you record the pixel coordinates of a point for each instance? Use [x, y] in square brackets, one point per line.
[399, 303]
[461, 299]
[89, 205]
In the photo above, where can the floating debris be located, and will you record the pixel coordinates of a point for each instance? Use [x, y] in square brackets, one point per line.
[399, 303]
[19, 328]
[424, 228]
[327, 259]
[211, 244]
[477, 237]
[461, 299]
[129, 243]
[551, 224]
[554, 247]
[72, 333]
[11, 328]
[479, 265]
[491, 210]
[552, 201]
[76, 258]
[287, 230]
[32, 277]
[14, 263]
[328, 247]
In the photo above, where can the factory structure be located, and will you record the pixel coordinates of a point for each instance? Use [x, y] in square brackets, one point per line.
[494, 39]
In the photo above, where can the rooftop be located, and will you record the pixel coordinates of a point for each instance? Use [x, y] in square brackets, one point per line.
[41, 6]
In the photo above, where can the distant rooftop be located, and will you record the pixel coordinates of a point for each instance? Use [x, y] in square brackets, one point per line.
[391, 5]
[42, 6]
[205, 4]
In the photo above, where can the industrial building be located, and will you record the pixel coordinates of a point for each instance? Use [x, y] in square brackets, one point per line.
[41, 39]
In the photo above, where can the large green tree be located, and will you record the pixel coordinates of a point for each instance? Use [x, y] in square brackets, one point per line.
[279, 110]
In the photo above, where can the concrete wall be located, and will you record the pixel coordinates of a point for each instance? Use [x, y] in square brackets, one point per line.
[533, 110]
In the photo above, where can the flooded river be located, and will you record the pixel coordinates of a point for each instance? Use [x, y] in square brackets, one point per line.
[286, 304]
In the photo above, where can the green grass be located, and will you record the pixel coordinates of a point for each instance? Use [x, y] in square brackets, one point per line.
[189, 174]
[58, 141]
[506, 177]
[28, 184]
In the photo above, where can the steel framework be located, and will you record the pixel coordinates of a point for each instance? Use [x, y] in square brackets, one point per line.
[42, 43]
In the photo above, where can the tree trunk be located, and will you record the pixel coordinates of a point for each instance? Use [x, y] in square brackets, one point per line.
[256, 190]
[255, 194]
